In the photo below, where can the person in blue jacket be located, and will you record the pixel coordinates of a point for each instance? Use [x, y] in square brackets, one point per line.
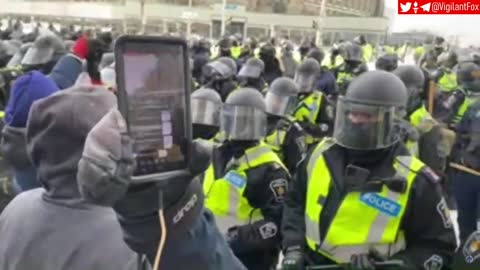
[27, 89]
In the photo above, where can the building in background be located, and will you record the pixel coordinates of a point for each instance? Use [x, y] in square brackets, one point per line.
[296, 19]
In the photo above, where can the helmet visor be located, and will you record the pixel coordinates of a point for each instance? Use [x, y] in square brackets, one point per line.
[305, 82]
[280, 105]
[243, 123]
[205, 112]
[250, 71]
[364, 127]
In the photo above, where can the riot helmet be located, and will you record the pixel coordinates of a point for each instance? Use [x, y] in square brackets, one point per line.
[230, 63]
[317, 54]
[282, 97]
[253, 68]
[217, 71]
[306, 75]
[360, 40]
[468, 77]
[387, 62]
[365, 118]
[267, 53]
[225, 44]
[414, 81]
[206, 106]
[352, 53]
[45, 49]
[243, 116]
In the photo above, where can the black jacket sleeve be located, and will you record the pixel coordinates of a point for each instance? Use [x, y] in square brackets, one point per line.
[293, 225]
[294, 148]
[429, 232]
[267, 194]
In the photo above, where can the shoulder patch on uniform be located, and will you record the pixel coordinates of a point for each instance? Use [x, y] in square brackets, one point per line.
[431, 175]
[471, 248]
[444, 213]
[330, 112]
[279, 189]
[433, 263]
[268, 230]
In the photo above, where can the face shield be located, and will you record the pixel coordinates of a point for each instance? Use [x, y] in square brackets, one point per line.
[250, 71]
[364, 127]
[305, 82]
[414, 97]
[205, 112]
[280, 105]
[242, 123]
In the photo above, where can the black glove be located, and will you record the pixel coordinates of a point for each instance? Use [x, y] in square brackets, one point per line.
[365, 261]
[293, 259]
[105, 169]
[361, 262]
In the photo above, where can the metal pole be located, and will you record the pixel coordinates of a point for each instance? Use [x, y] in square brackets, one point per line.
[189, 20]
[224, 7]
[321, 19]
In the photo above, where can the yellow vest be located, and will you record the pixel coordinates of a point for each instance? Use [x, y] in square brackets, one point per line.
[276, 140]
[362, 221]
[448, 82]
[236, 51]
[423, 122]
[367, 50]
[308, 111]
[224, 196]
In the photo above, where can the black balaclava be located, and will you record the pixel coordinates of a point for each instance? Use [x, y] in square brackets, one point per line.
[238, 148]
[272, 123]
[204, 131]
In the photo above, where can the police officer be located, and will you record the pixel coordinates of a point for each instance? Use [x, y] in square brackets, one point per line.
[284, 135]
[424, 136]
[360, 197]
[251, 75]
[206, 105]
[201, 56]
[326, 80]
[314, 111]
[247, 52]
[353, 66]
[450, 108]
[44, 53]
[387, 62]
[445, 75]
[219, 75]
[224, 47]
[466, 168]
[246, 182]
[367, 49]
[272, 65]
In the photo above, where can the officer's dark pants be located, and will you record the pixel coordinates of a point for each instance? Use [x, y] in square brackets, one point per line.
[466, 188]
[259, 260]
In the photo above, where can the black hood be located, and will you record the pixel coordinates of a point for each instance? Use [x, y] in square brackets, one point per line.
[13, 147]
[56, 132]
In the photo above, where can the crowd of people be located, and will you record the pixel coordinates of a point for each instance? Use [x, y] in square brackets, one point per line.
[300, 158]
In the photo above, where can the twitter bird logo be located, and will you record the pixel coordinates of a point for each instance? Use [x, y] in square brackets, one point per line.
[405, 7]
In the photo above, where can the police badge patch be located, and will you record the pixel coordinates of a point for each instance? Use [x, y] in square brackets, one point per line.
[268, 230]
[433, 263]
[279, 189]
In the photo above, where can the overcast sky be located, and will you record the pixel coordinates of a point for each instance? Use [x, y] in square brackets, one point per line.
[466, 26]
